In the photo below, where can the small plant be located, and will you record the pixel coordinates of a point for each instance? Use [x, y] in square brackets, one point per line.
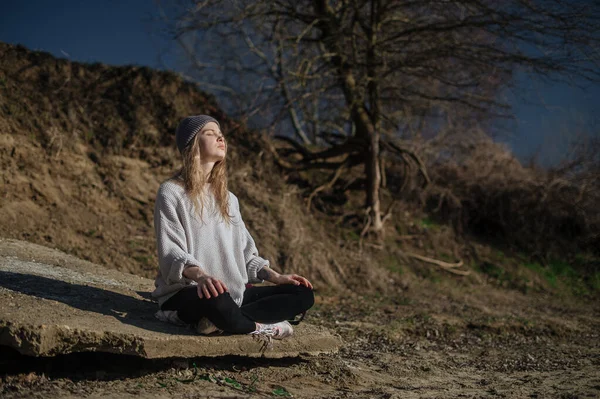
[404, 301]
[189, 380]
[560, 272]
[505, 278]
[493, 271]
[281, 391]
[392, 263]
[560, 268]
[132, 244]
[500, 256]
[428, 223]
[253, 380]
[143, 259]
[549, 273]
[351, 235]
[429, 273]
[232, 383]
[221, 380]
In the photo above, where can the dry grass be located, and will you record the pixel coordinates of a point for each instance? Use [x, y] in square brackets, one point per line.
[491, 194]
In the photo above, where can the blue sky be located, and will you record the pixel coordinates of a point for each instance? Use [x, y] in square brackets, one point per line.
[108, 31]
[120, 33]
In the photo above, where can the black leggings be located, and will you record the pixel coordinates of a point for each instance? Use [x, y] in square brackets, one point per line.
[270, 304]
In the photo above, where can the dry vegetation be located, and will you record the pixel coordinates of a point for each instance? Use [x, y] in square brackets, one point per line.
[489, 193]
[83, 149]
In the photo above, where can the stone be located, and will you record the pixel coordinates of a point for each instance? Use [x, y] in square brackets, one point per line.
[61, 304]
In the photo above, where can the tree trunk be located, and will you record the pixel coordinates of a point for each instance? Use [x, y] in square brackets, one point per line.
[371, 136]
[373, 159]
[373, 174]
[366, 128]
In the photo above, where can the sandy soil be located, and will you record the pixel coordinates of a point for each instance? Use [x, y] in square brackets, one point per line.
[466, 342]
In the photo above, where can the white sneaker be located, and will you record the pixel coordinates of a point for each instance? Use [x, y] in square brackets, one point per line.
[280, 330]
[206, 327]
[267, 332]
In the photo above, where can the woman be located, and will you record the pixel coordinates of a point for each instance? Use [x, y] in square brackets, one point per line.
[206, 254]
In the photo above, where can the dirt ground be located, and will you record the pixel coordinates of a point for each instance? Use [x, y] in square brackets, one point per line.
[453, 342]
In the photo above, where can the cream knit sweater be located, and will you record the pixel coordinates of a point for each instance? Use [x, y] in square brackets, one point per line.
[226, 252]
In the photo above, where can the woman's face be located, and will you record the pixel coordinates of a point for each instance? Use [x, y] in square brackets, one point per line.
[212, 143]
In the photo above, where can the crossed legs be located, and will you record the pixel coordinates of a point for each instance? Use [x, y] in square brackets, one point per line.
[268, 304]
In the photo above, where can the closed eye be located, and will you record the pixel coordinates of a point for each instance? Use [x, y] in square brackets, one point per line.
[210, 133]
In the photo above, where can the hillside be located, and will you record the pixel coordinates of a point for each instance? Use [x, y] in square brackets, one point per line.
[83, 149]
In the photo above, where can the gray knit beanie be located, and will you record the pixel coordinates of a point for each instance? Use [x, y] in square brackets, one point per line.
[189, 127]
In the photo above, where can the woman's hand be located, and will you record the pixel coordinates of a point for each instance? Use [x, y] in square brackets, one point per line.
[210, 287]
[293, 279]
[270, 275]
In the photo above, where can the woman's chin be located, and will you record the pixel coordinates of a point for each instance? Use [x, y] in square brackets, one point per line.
[214, 157]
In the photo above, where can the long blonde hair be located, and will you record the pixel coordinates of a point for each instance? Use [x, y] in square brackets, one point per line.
[194, 180]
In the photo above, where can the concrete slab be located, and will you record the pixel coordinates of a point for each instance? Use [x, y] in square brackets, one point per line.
[54, 303]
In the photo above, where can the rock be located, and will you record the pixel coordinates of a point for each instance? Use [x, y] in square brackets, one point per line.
[63, 304]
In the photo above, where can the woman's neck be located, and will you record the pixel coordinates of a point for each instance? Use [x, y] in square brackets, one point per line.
[207, 168]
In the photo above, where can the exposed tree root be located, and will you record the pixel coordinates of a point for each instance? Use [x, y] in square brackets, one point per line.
[449, 267]
[329, 184]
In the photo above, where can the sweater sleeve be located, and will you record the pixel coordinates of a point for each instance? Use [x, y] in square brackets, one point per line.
[253, 261]
[171, 243]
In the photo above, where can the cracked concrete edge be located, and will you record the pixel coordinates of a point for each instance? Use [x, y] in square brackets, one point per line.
[45, 340]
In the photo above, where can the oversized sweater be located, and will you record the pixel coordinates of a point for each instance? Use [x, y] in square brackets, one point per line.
[224, 251]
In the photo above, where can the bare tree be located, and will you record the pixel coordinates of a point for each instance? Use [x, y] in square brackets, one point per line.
[354, 75]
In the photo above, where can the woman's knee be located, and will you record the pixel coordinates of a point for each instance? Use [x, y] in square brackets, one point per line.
[226, 315]
[222, 305]
[307, 296]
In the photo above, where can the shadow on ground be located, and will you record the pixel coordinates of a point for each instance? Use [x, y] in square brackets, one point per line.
[109, 366]
[125, 308]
